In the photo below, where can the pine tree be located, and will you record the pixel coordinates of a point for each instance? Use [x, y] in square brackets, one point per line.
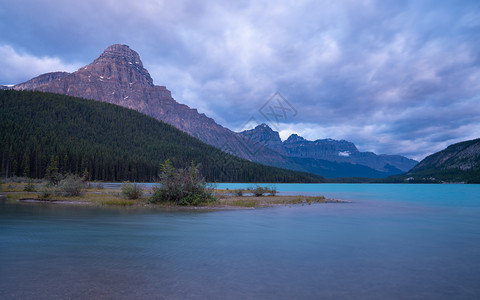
[51, 173]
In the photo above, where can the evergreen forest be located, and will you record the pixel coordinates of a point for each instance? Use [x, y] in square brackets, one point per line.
[110, 143]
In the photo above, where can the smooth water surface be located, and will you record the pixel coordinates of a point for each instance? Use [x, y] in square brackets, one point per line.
[390, 242]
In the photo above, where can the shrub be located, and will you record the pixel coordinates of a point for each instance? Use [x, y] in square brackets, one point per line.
[272, 191]
[29, 187]
[47, 191]
[131, 191]
[71, 186]
[182, 186]
[258, 191]
[238, 192]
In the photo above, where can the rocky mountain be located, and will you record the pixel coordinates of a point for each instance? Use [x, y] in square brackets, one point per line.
[117, 76]
[345, 152]
[327, 149]
[315, 153]
[264, 136]
[457, 163]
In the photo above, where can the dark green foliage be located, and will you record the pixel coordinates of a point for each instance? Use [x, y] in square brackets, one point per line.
[182, 186]
[131, 191]
[51, 173]
[107, 142]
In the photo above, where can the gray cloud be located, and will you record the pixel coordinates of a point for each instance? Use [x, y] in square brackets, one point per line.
[392, 76]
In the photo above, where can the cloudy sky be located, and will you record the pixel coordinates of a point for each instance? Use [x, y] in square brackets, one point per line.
[394, 77]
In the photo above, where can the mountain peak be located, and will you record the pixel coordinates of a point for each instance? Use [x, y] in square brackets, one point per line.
[264, 127]
[123, 52]
[260, 129]
[120, 62]
[263, 135]
[294, 138]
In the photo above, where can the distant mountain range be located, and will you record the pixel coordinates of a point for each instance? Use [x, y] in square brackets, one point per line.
[117, 76]
[330, 158]
[457, 163]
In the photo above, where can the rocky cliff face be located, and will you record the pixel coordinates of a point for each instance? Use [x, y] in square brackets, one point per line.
[264, 136]
[40, 81]
[117, 76]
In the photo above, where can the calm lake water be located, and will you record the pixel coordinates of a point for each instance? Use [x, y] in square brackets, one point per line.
[390, 242]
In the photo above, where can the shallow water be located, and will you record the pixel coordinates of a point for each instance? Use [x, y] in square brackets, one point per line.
[392, 241]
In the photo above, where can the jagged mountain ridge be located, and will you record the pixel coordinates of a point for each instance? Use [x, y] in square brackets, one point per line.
[344, 151]
[298, 146]
[329, 150]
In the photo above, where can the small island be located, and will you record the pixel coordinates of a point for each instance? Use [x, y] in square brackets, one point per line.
[95, 194]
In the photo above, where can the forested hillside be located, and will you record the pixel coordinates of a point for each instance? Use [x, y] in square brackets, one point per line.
[111, 142]
[459, 162]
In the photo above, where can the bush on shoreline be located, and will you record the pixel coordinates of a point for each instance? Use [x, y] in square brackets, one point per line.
[182, 186]
[29, 187]
[258, 191]
[238, 192]
[131, 191]
[70, 186]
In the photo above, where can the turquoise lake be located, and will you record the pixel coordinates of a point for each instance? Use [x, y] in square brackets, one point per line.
[389, 242]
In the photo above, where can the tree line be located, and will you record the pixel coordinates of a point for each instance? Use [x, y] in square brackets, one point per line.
[111, 143]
